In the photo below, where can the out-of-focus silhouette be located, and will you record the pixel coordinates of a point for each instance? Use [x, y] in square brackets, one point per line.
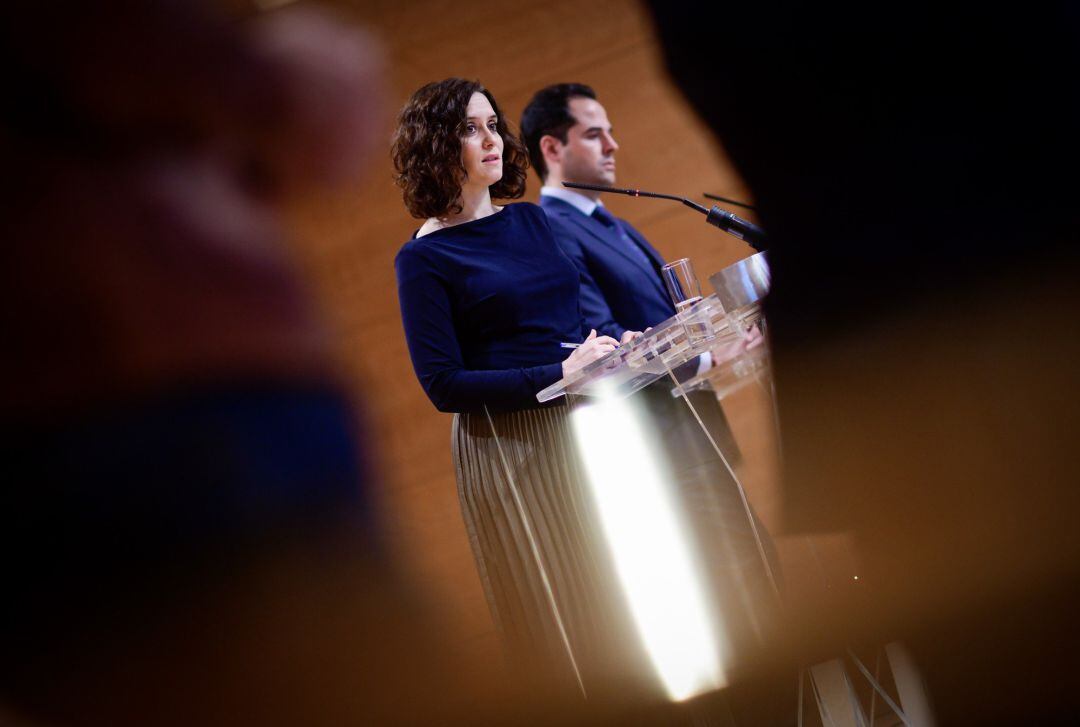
[188, 535]
[909, 168]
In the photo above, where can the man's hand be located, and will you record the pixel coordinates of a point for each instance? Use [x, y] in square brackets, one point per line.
[752, 338]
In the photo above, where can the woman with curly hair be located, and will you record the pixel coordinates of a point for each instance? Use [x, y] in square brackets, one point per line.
[487, 297]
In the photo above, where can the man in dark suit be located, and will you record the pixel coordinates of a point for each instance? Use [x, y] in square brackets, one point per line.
[568, 136]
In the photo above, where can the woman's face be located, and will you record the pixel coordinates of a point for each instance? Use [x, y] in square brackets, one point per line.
[481, 146]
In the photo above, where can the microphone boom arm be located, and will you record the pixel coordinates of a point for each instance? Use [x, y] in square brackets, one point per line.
[746, 231]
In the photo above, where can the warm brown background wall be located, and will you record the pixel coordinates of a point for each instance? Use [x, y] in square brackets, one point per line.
[347, 242]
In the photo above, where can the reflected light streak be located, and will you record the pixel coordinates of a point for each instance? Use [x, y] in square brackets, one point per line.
[652, 559]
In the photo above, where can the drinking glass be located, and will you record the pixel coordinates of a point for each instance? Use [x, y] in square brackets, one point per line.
[685, 291]
[681, 283]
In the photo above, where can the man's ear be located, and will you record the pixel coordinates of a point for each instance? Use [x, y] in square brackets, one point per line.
[551, 149]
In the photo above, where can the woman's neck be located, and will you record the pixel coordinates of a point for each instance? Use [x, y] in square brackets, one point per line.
[475, 205]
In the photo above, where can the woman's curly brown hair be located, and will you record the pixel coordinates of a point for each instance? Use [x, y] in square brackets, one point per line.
[427, 149]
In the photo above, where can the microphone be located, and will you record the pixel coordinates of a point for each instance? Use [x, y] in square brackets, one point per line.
[746, 231]
[732, 224]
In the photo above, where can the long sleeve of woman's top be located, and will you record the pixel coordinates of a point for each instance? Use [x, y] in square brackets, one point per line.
[428, 317]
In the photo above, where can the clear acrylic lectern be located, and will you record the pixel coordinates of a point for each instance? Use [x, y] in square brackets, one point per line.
[650, 563]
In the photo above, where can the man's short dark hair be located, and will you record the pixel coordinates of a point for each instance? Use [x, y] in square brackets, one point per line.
[548, 114]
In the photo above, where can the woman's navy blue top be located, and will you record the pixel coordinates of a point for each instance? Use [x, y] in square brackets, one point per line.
[485, 305]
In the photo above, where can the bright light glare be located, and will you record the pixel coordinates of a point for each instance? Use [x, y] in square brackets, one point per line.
[652, 559]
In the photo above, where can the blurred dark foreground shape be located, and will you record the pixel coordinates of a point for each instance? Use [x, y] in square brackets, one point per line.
[189, 529]
[911, 166]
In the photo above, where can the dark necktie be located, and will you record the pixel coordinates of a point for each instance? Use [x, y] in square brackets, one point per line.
[609, 220]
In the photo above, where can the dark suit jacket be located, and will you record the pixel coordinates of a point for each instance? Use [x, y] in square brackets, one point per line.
[618, 292]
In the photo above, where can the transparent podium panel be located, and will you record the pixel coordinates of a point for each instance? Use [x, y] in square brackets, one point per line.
[671, 349]
[643, 565]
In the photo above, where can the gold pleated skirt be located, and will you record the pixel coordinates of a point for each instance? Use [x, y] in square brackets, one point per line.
[549, 580]
[537, 546]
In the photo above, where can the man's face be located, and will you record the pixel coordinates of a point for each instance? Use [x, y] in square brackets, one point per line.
[588, 156]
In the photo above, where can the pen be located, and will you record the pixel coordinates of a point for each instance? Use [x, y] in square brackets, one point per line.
[572, 345]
